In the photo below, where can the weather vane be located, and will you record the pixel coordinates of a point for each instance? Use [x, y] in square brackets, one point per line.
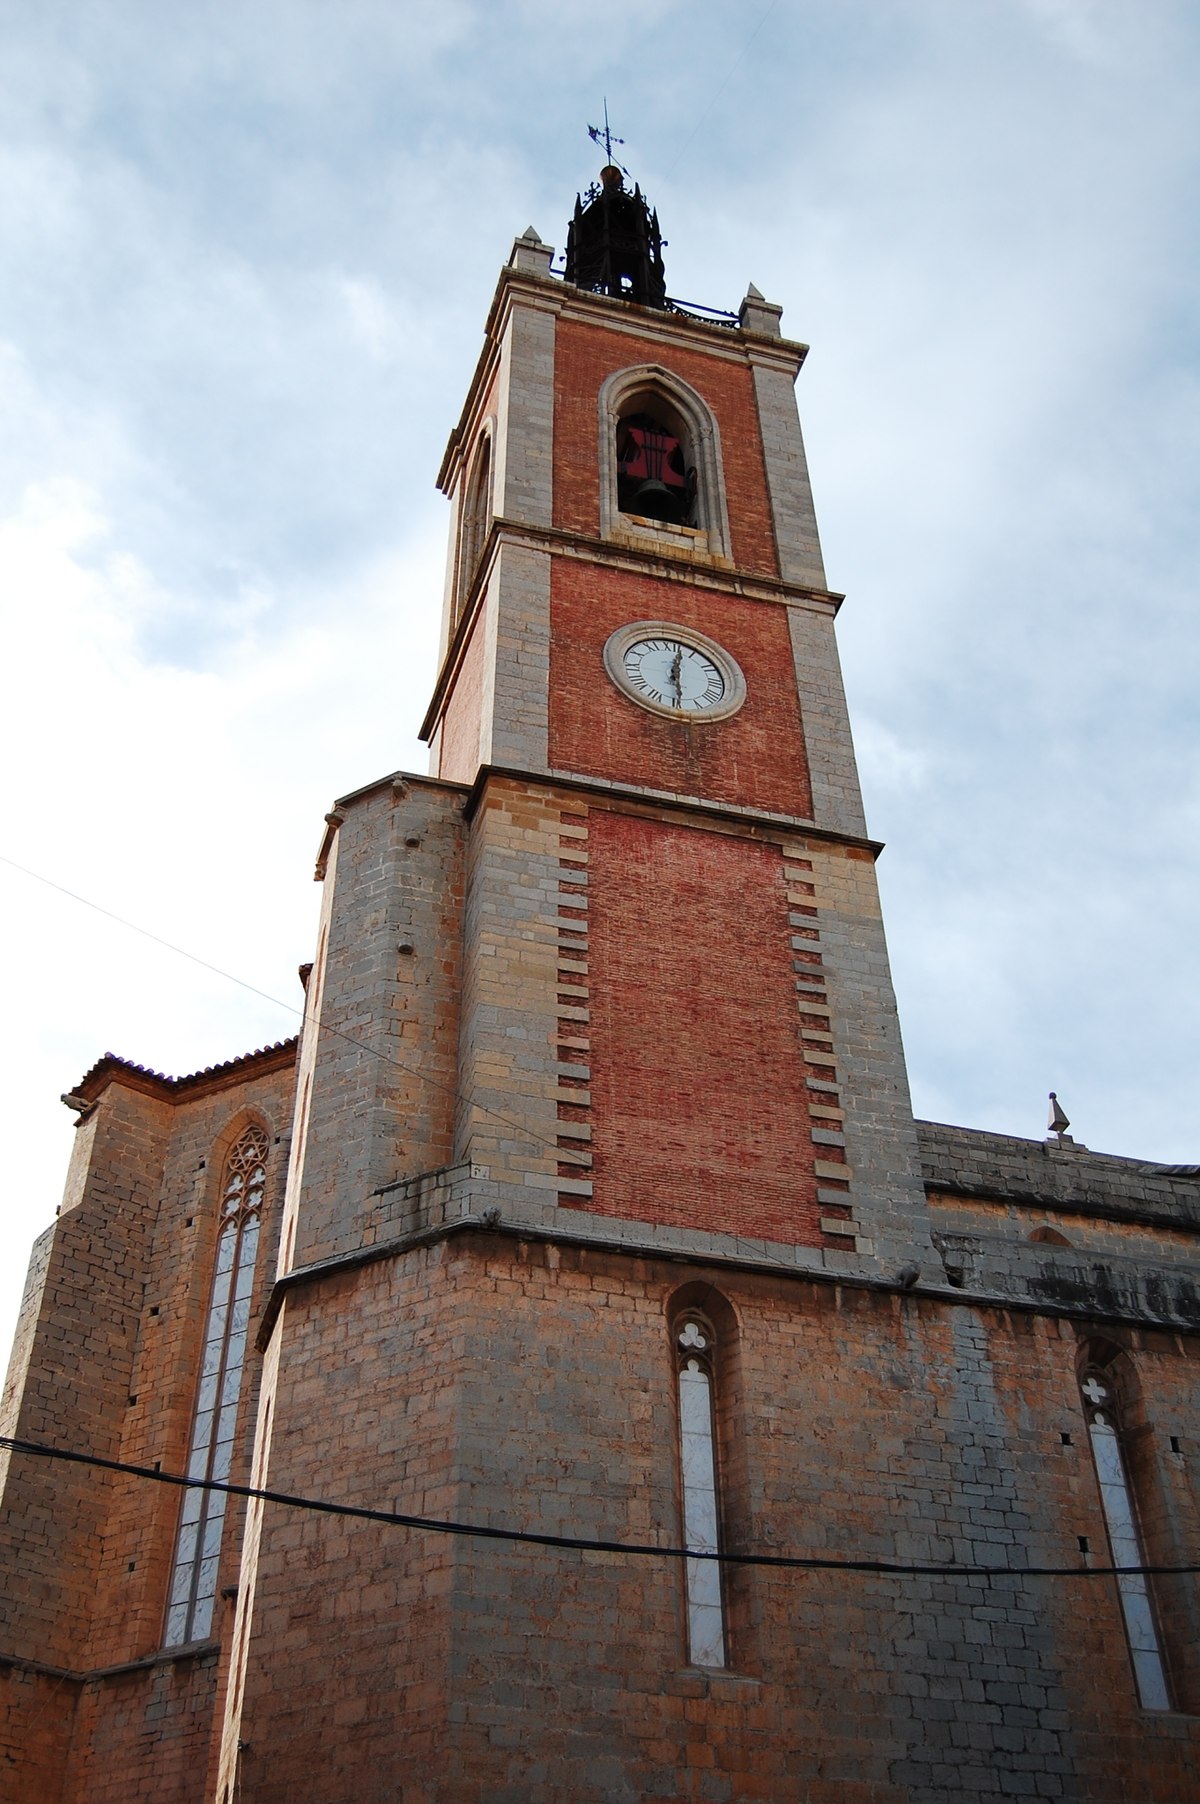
[606, 138]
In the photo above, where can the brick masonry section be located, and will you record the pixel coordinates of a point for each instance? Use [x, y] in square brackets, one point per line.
[754, 759]
[699, 1102]
[584, 356]
[574, 1015]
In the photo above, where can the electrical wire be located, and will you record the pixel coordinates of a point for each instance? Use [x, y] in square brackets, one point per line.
[529, 1537]
[721, 91]
[563, 1155]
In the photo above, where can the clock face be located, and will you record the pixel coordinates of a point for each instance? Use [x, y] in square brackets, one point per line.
[674, 674]
[674, 671]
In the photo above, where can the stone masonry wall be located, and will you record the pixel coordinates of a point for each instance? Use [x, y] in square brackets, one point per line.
[380, 1101]
[76, 1389]
[527, 1385]
[94, 1708]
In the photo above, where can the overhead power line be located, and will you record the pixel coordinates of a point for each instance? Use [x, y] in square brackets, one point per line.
[564, 1155]
[576, 1543]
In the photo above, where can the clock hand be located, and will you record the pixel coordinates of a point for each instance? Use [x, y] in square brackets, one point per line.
[676, 661]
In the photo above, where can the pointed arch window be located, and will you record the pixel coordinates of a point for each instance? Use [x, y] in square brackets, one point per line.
[1102, 1408]
[476, 519]
[695, 1350]
[660, 460]
[198, 1543]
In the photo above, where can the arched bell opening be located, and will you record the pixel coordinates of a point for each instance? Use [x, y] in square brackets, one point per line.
[656, 476]
[660, 457]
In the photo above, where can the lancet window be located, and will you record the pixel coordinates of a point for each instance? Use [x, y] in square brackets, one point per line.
[198, 1544]
[695, 1353]
[1102, 1408]
[475, 520]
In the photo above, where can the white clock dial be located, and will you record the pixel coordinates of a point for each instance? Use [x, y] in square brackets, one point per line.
[674, 670]
[673, 674]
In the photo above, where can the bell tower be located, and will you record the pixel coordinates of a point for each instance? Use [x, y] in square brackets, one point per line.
[637, 616]
[600, 1041]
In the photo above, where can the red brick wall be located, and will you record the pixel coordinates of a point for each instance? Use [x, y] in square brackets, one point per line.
[699, 1105]
[756, 758]
[584, 356]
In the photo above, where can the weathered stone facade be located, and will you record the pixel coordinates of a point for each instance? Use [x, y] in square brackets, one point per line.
[600, 1032]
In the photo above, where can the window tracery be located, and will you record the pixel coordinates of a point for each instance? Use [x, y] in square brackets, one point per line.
[198, 1542]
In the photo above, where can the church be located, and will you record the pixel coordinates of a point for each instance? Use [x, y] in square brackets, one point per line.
[568, 1371]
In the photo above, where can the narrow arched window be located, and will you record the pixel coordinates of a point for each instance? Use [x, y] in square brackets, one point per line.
[198, 1544]
[695, 1348]
[1102, 1408]
[476, 518]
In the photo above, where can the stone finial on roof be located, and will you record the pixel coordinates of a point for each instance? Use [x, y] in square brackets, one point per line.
[1058, 1123]
[757, 314]
[530, 257]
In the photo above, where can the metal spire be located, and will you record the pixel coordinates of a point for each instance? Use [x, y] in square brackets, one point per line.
[606, 138]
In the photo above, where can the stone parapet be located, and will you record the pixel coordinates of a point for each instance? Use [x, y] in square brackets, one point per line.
[970, 1162]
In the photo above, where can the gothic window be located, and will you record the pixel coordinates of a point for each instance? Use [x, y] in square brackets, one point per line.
[1102, 1408]
[198, 1544]
[660, 459]
[695, 1347]
[476, 518]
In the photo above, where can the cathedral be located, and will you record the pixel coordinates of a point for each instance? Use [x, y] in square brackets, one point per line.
[568, 1372]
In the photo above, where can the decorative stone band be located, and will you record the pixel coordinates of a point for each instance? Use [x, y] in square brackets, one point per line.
[839, 1230]
[574, 1039]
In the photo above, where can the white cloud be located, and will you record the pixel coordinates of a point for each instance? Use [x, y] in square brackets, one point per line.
[1094, 31]
[246, 273]
[374, 322]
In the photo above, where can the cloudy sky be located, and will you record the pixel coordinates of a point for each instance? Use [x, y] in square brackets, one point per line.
[248, 250]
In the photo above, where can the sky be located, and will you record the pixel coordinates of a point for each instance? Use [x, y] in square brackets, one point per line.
[249, 249]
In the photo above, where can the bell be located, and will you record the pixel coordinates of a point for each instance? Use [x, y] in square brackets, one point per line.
[654, 499]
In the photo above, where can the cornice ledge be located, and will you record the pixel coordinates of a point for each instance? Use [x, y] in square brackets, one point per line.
[628, 316]
[66, 1675]
[645, 1247]
[791, 825]
[1046, 1202]
[400, 780]
[752, 585]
